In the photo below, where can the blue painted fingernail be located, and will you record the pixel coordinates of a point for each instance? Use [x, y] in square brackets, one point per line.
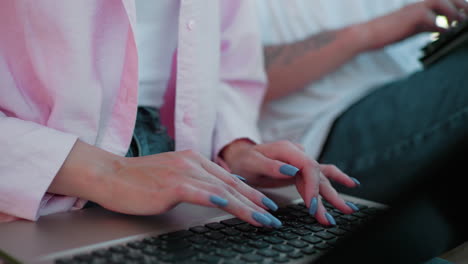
[330, 219]
[313, 206]
[269, 203]
[239, 177]
[275, 222]
[218, 200]
[358, 183]
[261, 218]
[289, 170]
[352, 206]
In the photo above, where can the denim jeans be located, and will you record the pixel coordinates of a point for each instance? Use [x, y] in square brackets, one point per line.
[405, 130]
[149, 136]
[407, 139]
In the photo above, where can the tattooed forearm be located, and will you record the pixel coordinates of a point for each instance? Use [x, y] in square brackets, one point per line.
[285, 54]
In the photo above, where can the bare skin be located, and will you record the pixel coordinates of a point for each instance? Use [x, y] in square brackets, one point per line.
[293, 66]
[155, 184]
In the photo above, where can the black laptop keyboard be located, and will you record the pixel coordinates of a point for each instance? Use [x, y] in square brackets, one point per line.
[235, 241]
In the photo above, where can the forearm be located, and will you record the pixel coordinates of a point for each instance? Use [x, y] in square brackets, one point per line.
[84, 172]
[290, 67]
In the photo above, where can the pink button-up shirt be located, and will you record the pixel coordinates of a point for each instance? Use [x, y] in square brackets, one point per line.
[68, 71]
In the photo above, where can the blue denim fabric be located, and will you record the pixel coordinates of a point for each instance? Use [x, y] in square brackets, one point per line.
[403, 131]
[149, 136]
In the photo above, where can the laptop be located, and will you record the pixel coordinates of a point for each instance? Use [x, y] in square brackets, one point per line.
[186, 234]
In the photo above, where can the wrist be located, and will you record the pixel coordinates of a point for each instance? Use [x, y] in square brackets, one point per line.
[87, 170]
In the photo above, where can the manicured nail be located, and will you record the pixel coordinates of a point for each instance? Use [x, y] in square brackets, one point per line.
[358, 183]
[330, 219]
[218, 200]
[275, 222]
[261, 218]
[352, 206]
[289, 170]
[239, 177]
[313, 206]
[269, 203]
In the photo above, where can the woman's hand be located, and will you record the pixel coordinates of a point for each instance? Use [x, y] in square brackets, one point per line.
[283, 163]
[411, 20]
[155, 184]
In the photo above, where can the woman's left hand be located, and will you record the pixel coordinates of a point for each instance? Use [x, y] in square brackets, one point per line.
[282, 163]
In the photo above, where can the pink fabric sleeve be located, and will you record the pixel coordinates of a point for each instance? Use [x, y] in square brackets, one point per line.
[30, 156]
[242, 75]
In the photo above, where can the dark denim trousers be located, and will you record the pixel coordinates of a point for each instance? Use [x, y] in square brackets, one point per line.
[149, 136]
[408, 139]
[405, 130]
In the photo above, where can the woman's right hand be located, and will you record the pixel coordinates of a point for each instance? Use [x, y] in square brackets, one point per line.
[155, 184]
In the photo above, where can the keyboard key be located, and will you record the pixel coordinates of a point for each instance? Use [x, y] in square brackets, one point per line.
[295, 255]
[119, 249]
[336, 231]
[198, 239]
[151, 251]
[103, 253]
[233, 222]
[225, 253]
[283, 248]
[312, 239]
[251, 258]
[314, 228]
[245, 228]
[349, 218]
[237, 240]
[209, 259]
[136, 245]
[322, 246]
[214, 235]
[199, 229]
[298, 243]
[83, 257]
[273, 240]
[309, 250]
[242, 249]
[361, 215]
[152, 241]
[281, 260]
[302, 232]
[332, 242]
[134, 255]
[325, 235]
[288, 236]
[215, 226]
[268, 253]
[307, 220]
[258, 244]
[230, 232]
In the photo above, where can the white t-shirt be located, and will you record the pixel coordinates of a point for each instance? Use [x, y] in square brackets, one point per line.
[156, 20]
[306, 116]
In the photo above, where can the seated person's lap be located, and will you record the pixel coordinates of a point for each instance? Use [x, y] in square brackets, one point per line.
[404, 130]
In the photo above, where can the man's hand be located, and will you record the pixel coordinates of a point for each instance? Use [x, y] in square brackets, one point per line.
[283, 163]
[155, 184]
[411, 20]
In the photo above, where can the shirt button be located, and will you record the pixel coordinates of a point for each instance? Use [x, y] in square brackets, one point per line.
[191, 24]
